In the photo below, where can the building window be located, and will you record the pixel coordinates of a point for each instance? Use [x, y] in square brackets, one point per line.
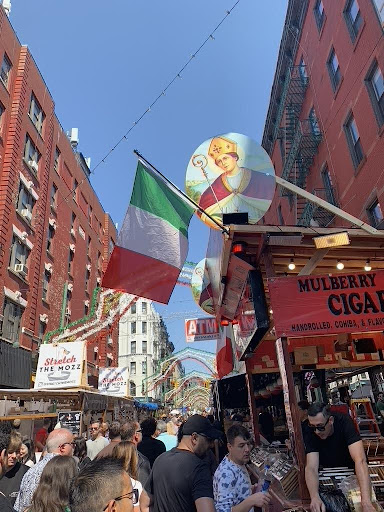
[42, 329]
[19, 255]
[53, 196]
[90, 215]
[56, 161]
[132, 388]
[5, 70]
[36, 114]
[353, 140]
[73, 223]
[379, 4]
[86, 309]
[87, 278]
[133, 347]
[133, 368]
[89, 247]
[375, 214]
[133, 308]
[144, 327]
[50, 235]
[319, 14]
[375, 85]
[144, 347]
[25, 202]
[334, 69]
[2, 110]
[144, 367]
[12, 320]
[144, 308]
[71, 256]
[280, 216]
[303, 70]
[31, 155]
[99, 260]
[353, 18]
[328, 186]
[314, 122]
[74, 190]
[133, 327]
[46, 278]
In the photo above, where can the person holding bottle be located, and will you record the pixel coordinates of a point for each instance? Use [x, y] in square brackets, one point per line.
[232, 488]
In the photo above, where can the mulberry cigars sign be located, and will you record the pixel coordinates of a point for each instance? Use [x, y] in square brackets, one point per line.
[61, 365]
[328, 304]
[113, 381]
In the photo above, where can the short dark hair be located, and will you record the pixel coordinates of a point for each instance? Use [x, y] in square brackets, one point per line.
[114, 429]
[237, 431]
[316, 407]
[148, 427]
[128, 430]
[5, 439]
[80, 448]
[303, 405]
[100, 481]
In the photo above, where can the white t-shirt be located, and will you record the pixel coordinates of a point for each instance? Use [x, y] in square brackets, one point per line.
[94, 447]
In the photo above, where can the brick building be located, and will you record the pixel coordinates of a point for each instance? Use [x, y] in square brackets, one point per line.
[55, 237]
[325, 122]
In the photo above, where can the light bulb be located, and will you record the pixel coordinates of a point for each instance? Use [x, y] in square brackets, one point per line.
[340, 265]
[367, 266]
[291, 265]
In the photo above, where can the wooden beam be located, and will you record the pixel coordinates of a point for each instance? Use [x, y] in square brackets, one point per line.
[312, 263]
[268, 262]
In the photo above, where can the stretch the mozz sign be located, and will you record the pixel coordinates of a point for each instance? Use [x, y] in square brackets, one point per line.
[328, 304]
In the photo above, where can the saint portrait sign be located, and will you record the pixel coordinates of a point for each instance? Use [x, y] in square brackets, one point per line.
[230, 173]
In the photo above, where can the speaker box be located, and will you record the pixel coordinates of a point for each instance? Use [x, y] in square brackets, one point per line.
[235, 218]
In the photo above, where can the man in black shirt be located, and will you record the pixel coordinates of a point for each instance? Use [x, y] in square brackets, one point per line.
[149, 446]
[180, 480]
[332, 441]
[11, 480]
[5, 439]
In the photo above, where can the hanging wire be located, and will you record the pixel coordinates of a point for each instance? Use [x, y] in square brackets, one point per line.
[159, 96]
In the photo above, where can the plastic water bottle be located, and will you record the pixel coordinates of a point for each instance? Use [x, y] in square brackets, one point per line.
[265, 479]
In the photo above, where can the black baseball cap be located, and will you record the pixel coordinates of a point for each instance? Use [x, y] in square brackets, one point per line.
[200, 425]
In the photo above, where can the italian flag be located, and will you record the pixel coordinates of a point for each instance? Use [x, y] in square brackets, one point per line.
[153, 242]
[224, 355]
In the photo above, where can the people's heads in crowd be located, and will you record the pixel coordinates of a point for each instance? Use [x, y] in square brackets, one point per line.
[47, 423]
[80, 448]
[303, 409]
[175, 417]
[16, 424]
[104, 427]
[380, 396]
[5, 438]
[114, 430]
[161, 426]
[126, 452]
[148, 427]
[94, 430]
[102, 486]
[27, 451]
[52, 493]
[239, 444]
[13, 449]
[60, 441]
[198, 434]
[320, 419]
[211, 418]
[131, 431]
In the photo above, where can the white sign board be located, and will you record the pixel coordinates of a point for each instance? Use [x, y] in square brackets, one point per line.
[61, 365]
[113, 381]
[201, 329]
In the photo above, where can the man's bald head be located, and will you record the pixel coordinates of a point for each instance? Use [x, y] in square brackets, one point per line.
[60, 441]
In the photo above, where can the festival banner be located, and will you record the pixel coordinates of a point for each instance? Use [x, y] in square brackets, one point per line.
[60, 365]
[113, 381]
[328, 304]
[201, 329]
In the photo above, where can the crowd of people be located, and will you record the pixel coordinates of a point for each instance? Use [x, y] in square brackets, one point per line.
[168, 465]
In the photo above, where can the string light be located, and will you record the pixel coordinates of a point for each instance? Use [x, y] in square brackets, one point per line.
[367, 266]
[291, 265]
[340, 265]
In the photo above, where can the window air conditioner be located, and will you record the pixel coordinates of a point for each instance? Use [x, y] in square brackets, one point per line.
[27, 214]
[33, 164]
[22, 269]
[73, 233]
[70, 287]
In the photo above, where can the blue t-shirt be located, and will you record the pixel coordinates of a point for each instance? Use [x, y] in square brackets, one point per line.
[231, 485]
[169, 441]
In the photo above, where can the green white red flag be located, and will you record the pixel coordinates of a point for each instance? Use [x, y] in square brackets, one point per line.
[224, 354]
[153, 242]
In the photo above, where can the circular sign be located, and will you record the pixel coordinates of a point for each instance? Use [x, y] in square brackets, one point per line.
[230, 173]
[201, 288]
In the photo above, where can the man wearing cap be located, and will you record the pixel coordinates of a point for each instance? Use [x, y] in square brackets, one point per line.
[174, 423]
[180, 480]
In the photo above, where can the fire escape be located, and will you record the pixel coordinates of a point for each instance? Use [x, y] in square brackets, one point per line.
[301, 141]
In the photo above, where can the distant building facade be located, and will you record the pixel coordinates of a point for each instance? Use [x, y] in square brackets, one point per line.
[143, 343]
[55, 237]
[325, 122]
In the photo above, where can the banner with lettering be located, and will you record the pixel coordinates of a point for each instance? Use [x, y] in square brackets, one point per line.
[201, 329]
[328, 304]
[114, 381]
[60, 365]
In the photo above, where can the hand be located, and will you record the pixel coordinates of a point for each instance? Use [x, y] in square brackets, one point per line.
[260, 499]
[368, 506]
[317, 505]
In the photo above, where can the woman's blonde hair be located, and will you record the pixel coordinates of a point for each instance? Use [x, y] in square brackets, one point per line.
[126, 452]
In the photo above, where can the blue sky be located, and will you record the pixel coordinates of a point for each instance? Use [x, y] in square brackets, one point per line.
[104, 63]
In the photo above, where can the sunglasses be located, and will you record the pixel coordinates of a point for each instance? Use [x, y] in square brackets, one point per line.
[134, 496]
[94, 428]
[320, 428]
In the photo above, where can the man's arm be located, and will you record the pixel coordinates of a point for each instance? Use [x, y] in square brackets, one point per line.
[259, 499]
[202, 505]
[312, 481]
[356, 451]
[145, 501]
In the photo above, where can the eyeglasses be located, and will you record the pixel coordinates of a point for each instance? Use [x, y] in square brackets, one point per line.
[73, 444]
[94, 428]
[134, 496]
[140, 430]
[320, 428]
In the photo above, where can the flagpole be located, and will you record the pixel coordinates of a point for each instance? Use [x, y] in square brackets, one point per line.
[221, 226]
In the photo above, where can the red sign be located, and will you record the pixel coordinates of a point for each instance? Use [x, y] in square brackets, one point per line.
[201, 329]
[329, 304]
